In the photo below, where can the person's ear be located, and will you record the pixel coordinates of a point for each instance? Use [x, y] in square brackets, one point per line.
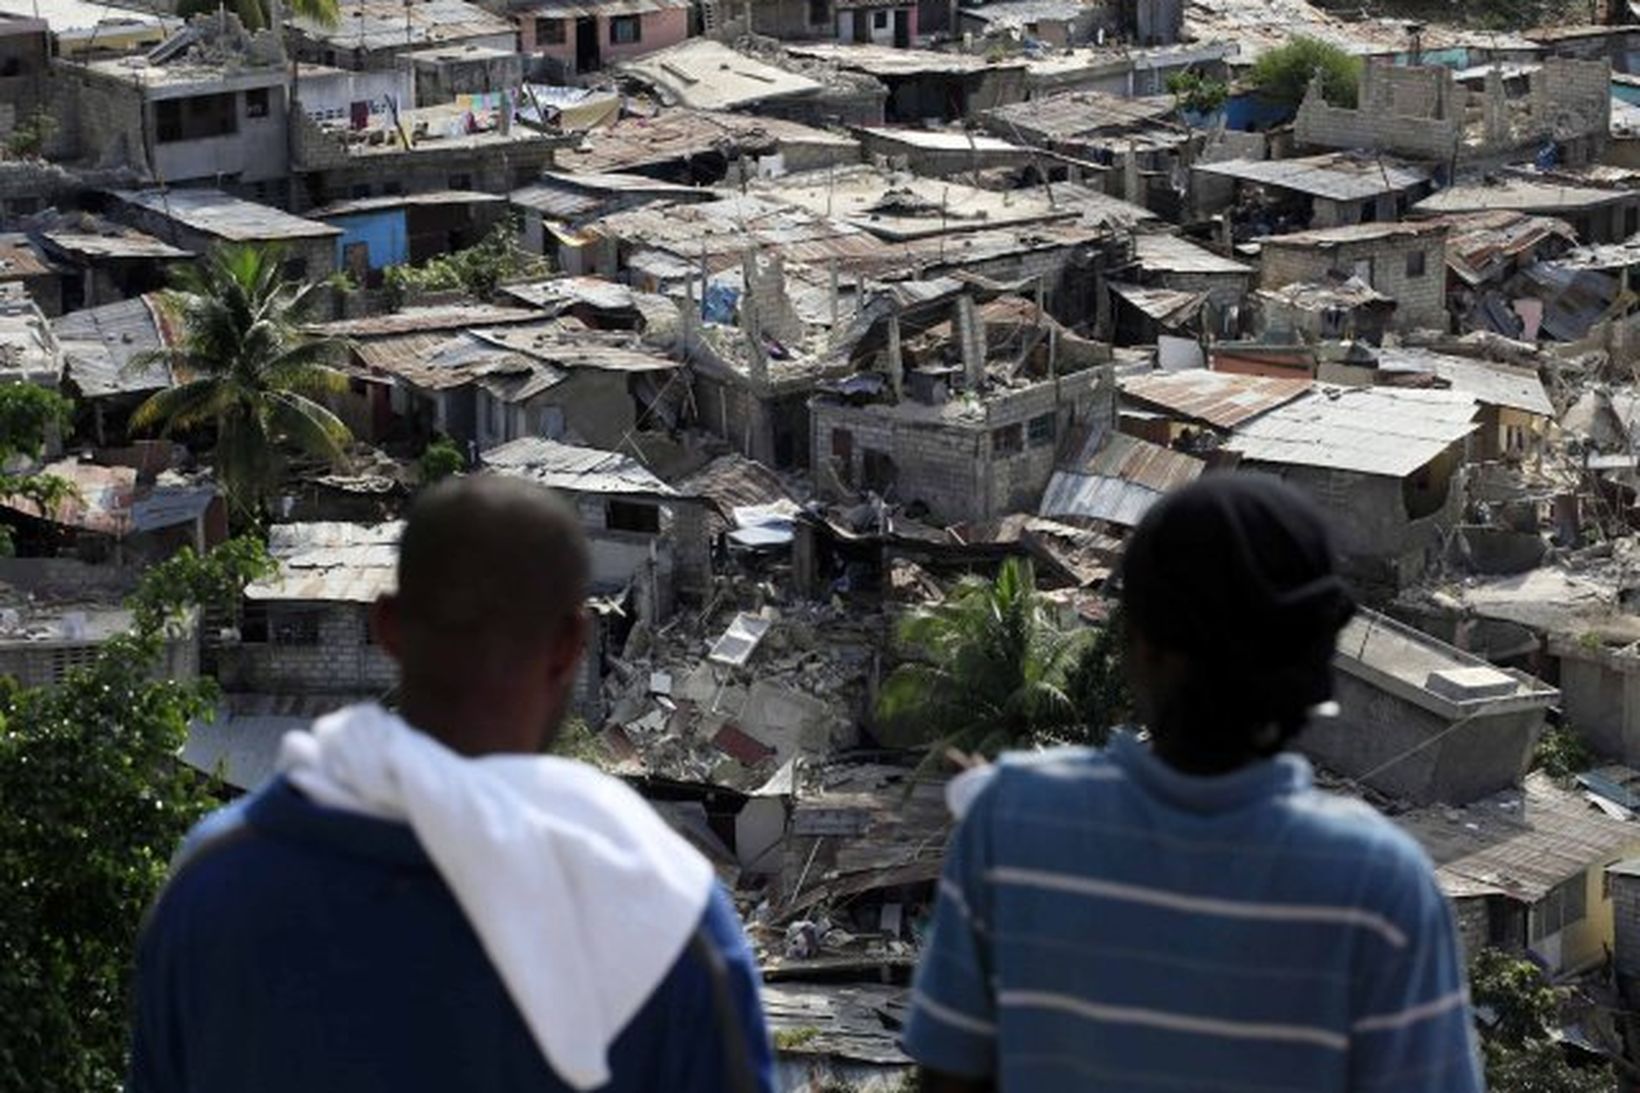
[385, 625]
[571, 643]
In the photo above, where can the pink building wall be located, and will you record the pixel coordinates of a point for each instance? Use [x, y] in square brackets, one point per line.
[657, 30]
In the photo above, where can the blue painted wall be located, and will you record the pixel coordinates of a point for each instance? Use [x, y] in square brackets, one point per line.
[1248, 112]
[383, 233]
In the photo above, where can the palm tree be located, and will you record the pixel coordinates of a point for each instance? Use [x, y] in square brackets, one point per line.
[991, 670]
[246, 368]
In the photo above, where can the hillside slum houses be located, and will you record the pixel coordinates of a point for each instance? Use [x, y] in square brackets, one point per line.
[814, 307]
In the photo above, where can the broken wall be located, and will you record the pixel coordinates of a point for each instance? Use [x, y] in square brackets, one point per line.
[1409, 269]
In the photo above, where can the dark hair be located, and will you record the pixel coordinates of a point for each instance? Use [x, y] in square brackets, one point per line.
[1237, 573]
[488, 564]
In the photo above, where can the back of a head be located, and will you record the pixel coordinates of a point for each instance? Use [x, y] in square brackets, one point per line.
[1236, 575]
[489, 568]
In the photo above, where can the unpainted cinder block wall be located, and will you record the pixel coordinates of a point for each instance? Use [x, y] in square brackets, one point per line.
[1419, 289]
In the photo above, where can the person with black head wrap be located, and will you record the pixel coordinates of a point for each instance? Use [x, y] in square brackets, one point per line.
[1190, 913]
[1233, 605]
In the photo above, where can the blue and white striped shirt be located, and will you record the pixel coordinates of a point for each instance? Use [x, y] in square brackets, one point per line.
[1105, 921]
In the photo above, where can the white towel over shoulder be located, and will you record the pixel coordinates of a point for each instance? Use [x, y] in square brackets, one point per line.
[581, 895]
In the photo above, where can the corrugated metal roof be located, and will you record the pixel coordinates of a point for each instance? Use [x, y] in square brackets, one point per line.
[113, 243]
[1165, 305]
[680, 133]
[1370, 430]
[1022, 13]
[574, 469]
[877, 60]
[1518, 844]
[574, 9]
[1520, 194]
[168, 506]
[414, 320]
[101, 343]
[1221, 399]
[606, 351]
[1074, 114]
[1337, 176]
[1109, 499]
[1161, 252]
[327, 562]
[401, 201]
[19, 259]
[1491, 383]
[1343, 292]
[1325, 238]
[216, 213]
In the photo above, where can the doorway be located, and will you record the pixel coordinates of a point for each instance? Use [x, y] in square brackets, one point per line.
[902, 28]
[586, 44]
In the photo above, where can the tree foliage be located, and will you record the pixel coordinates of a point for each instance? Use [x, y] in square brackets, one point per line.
[215, 581]
[476, 271]
[1519, 1053]
[439, 460]
[28, 137]
[1195, 93]
[990, 669]
[1561, 752]
[247, 370]
[1282, 75]
[29, 415]
[94, 804]
[1098, 685]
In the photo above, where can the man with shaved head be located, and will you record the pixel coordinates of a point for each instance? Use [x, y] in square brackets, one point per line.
[420, 900]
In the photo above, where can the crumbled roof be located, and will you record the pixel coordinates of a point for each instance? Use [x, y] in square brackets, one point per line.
[1519, 843]
[1369, 430]
[390, 24]
[574, 469]
[216, 213]
[1336, 176]
[100, 345]
[1480, 245]
[707, 75]
[331, 562]
[898, 206]
[1161, 252]
[609, 351]
[1224, 400]
[679, 134]
[1346, 292]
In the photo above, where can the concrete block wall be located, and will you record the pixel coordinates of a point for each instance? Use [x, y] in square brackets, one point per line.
[1420, 301]
[342, 661]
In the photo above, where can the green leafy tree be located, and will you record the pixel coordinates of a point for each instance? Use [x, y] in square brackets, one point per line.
[1519, 1053]
[215, 582]
[1282, 75]
[990, 668]
[1098, 685]
[29, 415]
[29, 136]
[249, 371]
[439, 460]
[1562, 752]
[95, 802]
[1195, 93]
[478, 271]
